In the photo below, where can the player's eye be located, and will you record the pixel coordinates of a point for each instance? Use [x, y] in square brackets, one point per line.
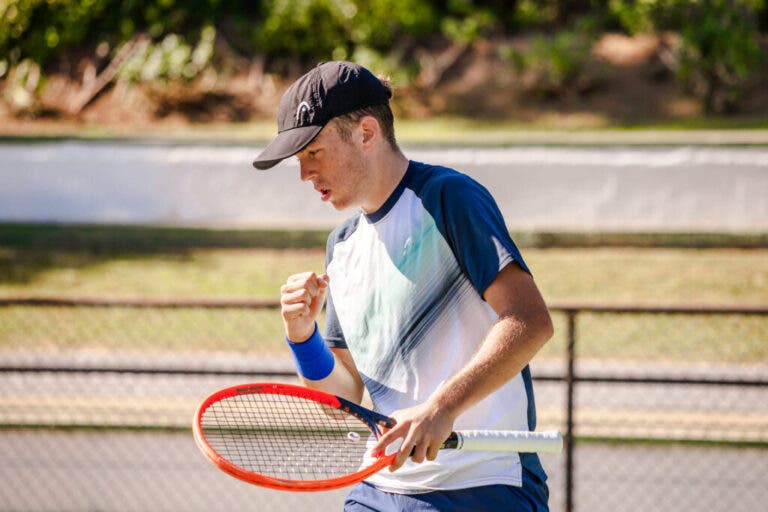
[309, 154]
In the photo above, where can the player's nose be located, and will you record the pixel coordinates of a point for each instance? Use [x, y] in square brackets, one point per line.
[305, 171]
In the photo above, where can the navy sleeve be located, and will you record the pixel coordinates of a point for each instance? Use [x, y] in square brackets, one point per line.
[334, 336]
[471, 222]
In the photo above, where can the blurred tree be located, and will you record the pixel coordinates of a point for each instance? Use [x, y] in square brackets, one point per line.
[717, 50]
[569, 10]
[718, 47]
[505, 12]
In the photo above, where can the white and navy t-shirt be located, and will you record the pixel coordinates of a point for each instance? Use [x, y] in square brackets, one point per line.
[406, 285]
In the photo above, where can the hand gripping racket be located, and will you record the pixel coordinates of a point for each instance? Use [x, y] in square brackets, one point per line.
[299, 439]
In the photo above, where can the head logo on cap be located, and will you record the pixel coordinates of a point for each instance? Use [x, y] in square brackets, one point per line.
[303, 110]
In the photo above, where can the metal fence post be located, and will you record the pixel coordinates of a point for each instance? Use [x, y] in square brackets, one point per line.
[569, 435]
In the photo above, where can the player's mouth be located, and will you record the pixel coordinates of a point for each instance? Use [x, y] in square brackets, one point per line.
[325, 193]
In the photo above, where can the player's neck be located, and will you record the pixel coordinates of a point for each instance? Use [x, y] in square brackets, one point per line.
[389, 168]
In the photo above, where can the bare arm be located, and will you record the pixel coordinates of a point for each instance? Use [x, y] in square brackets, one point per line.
[523, 327]
[301, 300]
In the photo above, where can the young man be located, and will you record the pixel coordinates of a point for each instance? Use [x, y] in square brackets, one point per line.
[431, 308]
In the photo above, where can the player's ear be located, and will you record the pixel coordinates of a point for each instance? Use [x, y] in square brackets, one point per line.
[371, 131]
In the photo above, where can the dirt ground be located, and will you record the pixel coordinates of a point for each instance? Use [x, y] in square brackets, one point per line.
[624, 82]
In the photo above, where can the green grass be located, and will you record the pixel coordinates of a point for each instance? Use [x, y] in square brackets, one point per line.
[673, 338]
[104, 239]
[201, 273]
[51, 329]
[654, 276]
[647, 275]
[549, 129]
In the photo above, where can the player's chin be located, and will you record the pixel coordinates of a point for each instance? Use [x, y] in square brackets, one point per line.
[340, 204]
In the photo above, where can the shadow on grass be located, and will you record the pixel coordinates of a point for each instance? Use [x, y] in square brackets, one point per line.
[27, 250]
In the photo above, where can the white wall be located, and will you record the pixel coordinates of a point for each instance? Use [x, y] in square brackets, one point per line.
[679, 188]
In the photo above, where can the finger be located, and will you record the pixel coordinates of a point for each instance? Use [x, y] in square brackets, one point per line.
[294, 311]
[308, 280]
[301, 296]
[316, 303]
[301, 277]
[433, 450]
[299, 286]
[419, 452]
[380, 448]
[403, 454]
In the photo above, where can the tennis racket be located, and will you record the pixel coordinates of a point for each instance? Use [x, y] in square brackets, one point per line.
[294, 438]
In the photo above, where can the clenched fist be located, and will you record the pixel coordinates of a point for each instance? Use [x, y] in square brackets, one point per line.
[301, 300]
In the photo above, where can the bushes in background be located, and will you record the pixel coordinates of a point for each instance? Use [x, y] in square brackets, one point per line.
[716, 49]
[718, 45]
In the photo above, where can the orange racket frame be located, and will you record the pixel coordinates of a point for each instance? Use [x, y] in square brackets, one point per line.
[289, 484]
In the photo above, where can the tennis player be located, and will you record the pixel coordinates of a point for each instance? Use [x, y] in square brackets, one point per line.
[431, 309]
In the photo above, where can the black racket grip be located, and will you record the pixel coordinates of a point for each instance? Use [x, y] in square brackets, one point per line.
[451, 442]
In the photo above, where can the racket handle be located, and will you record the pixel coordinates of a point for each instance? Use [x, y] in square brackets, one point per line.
[550, 441]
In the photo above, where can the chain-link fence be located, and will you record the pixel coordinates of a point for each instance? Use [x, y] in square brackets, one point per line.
[663, 408]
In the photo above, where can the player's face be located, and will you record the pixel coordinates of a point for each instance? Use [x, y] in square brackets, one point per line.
[336, 168]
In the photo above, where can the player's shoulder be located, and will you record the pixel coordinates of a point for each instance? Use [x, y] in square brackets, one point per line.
[434, 175]
[435, 183]
[341, 233]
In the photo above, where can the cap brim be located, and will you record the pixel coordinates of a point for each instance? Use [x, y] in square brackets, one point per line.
[286, 144]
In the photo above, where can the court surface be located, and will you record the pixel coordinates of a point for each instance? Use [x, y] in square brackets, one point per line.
[147, 471]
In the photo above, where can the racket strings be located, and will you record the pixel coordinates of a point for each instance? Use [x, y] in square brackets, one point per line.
[286, 437]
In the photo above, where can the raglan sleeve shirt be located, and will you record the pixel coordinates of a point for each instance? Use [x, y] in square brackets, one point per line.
[406, 286]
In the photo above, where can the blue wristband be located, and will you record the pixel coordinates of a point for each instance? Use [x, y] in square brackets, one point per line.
[313, 359]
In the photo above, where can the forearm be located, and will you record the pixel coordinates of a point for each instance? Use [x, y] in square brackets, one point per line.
[523, 327]
[319, 367]
[344, 380]
[508, 347]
